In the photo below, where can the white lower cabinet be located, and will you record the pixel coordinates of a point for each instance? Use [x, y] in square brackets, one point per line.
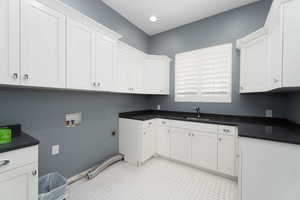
[269, 170]
[149, 142]
[137, 140]
[163, 141]
[19, 174]
[227, 154]
[180, 145]
[205, 150]
[204, 145]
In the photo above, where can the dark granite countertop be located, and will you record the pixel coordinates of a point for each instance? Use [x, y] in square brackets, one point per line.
[19, 140]
[274, 129]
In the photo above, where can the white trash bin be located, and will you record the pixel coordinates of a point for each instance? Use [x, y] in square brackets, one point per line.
[52, 186]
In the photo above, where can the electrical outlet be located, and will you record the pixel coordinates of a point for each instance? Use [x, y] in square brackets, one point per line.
[269, 113]
[158, 107]
[55, 149]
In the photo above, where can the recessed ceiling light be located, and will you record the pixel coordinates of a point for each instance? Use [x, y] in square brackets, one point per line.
[153, 18]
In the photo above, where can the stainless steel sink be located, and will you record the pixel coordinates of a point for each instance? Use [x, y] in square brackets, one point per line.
[197, 118]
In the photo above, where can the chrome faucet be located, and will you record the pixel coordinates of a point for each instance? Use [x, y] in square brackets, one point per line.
[197, 109]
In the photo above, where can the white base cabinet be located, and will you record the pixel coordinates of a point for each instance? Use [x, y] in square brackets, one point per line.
[209, 146]
[137, 140]
[19, 176]
[268, 170]
[180, 145]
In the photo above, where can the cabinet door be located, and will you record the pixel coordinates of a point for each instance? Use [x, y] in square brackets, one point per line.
[42, 45]
[104, 59]
[19, 184]
[180, 145]
[152, 77]
[291, 41]
[254, 66]
[149, 140]
[163, 141]
[165, 78]
[275, 52]
[205, 150]
[80, 53]
[226, 154]
[136, 71]
[121, 72]
[9, 42]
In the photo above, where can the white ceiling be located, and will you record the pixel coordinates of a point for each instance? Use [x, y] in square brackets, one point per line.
[170, 13]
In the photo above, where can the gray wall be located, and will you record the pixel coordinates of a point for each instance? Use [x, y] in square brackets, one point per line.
[224, 28]
[41, 112]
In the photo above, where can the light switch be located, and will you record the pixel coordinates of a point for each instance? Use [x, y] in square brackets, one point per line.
[55, 149]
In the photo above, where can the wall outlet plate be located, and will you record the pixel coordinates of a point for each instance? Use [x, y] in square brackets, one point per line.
[158, 107]
[269, 113]
[55, 149]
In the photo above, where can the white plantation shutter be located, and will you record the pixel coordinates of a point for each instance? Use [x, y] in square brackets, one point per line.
[204, 75]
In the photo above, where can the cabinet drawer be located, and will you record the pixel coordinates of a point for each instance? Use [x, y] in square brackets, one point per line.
[17, 158]
[195, 126]
[227, 130]
[164, 122]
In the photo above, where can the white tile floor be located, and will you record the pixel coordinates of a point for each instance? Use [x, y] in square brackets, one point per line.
[158, 179]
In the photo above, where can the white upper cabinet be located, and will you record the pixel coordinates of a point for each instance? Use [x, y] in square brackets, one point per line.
[9, 42]
[157, 68]
[129, 69]
[282, 35]
[291, 41]
[275, 52]
[254, 68]
[121, 72]
[48, 44]
[42, 45]
[80, 50]
[104, 62]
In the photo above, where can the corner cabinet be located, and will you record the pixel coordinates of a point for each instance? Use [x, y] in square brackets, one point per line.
[269, 57]
[19, 172]
[47, 44]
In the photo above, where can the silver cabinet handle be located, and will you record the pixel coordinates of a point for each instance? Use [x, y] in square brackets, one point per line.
[34, 173]
[99, 84]
[4, 162]
[226, 130]
[220, 139]
[15, 76]
[94, 84]
[26, 77]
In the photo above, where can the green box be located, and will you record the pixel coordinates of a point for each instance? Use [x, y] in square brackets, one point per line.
[5, 135]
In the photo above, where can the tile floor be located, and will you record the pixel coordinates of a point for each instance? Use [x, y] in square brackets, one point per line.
[158, 179]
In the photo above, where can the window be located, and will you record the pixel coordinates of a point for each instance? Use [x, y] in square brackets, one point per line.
[204, 75]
